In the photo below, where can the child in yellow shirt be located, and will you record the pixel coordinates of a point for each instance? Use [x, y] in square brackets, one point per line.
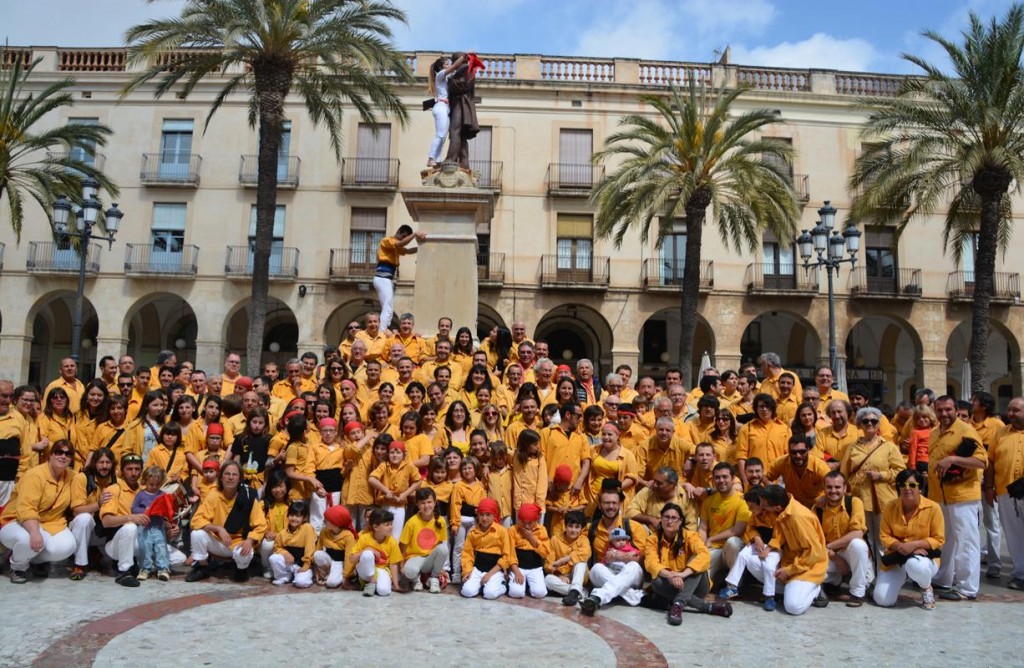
[531, 547]
[337, 538]
[486, 554]
[467, 493]
[499, 481]
[561, 499]
[292, 560]
[566, 564]
[395, 481]
[275, 507]
[437, 480]
[424, 544]
[376, 555]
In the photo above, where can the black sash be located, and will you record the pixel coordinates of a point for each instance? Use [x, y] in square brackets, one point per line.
[330, 479]
[485, 561]
[297, 552]
[442, 508]
[766, 533]
[468, 510]
[10, 455]
[897, 559]
[529, 559]
[335, 554]
[237, 521]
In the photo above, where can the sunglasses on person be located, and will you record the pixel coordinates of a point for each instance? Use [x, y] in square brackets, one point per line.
[490, 412]
[909, 485]
[63, 452]
[872, 422]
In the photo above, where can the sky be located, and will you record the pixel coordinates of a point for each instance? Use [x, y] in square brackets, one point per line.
[869, 35]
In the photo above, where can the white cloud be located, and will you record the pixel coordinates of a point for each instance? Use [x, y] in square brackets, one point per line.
[735, 17]
[644, 29]
[818, 51]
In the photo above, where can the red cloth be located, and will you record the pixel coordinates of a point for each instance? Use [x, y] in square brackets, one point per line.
[162, 506]
[475, 64]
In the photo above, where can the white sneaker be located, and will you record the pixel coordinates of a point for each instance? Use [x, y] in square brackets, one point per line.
[417, 585]
[369, 589]
[281, 581]
[268, 574]
[435, 586]
[633, 596]
[143, 575]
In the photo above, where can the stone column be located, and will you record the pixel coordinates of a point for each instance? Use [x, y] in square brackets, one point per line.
[936, 373]
[15, 353]
[446, 269]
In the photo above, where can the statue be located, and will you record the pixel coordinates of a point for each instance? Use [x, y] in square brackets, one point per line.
[463, 124]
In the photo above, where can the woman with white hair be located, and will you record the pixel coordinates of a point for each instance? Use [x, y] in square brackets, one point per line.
[871, 466]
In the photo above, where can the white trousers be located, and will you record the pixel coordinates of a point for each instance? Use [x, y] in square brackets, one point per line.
[6, 487]
[290, 572]
[432, 564]
[367, 569]
[798, 595]
[576, 578]
[335, 569]
[460, 541]
[123, 548]
[441, 112]
[396, 528]
[533, 578]
[317, 507]
[993, 535]
[266, 549]
[492, 589]
[203, 545]
[1011, 514]
[887, 587]
[82, 528]
[961, 554]
[385, 288]
[608, 585]
[56, 547]
[857, 558]
[761, 569]
[724, 557]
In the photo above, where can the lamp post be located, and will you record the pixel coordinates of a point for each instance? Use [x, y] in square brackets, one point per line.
[829, 246]
[87, 216]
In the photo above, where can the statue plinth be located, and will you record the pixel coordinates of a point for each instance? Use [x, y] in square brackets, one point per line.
[446, 268]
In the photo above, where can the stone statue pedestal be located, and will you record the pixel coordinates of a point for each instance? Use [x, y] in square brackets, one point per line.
[446, 269]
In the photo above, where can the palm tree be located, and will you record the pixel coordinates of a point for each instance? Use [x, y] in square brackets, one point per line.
[954, 140]
[44, 163]
[329, 52]
[690, 155]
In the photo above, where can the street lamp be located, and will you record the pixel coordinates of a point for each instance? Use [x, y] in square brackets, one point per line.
[829, 246]
[87, 216]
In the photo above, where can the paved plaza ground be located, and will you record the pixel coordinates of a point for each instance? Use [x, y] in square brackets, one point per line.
[61, 623]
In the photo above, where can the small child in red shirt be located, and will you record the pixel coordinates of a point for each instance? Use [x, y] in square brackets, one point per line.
[924, 421]
[618, 540]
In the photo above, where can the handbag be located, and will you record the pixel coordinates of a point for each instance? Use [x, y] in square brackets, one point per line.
[1016, 488]
[967, 448]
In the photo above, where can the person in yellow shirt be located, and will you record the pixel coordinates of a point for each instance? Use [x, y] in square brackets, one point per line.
[376, 555]
[328, 465]
[787, 402]
[1004, 476]
[771, 370]
[416, 348]
[337, 538]
[69, 382]
[986, 422]
[912, 534]
[292, 560]
[467, 493]
[723, 519]
[169, 453]
[632, 434]
[530, 547]
[566, 564]
[764, 437]
[395, 481]
[831, 442]
[424, 544]
[954, 482]
[802, 475]
[627, 581]
[757, 557]
[388, 254]
[486, 555]
[800, 539]
[664, 448]
[499, 482]
[844, 523]
[701, 428]
[678, 561]
[86, 491]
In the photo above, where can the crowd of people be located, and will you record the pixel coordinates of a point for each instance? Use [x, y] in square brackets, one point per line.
[399, 462]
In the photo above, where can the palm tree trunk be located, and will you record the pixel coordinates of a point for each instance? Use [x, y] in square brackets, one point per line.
[271, 103]
[696, 209]
[984, 285]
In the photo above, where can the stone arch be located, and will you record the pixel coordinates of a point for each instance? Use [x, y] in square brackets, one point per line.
[794, 338]
[50, 321]
[574, 331]
[160, 321]
[354, 309]
[884, 353]
[487, 319]
[659, 343]
[1003, 360]
[280, 332]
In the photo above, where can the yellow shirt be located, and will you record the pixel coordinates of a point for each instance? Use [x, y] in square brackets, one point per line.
[800, 539]
[80, 495]
[651, 456]
[646, 502]
[338, 545]
[828, 442]
[303, 537]
[805, 486]
[719, 513]
[42, 497]
[765, 440]
[214, 509]
[420, 537]
[298, 455]
[698, 432]
[578, 552]
[943, 444]
[599, 545]
[1006, 457]
[836, 522]
[770, 385]
[495, 540]
[387, 551]
[160, 456]
[120, 502]
[470, 493]
[389, 251]
[396, 478]
[520, 543]
[560, 448]
[376, 346]
[925, 524]
[693, 555]
[499, 488]
[529, 482]
[987, 429]
[886, 459]
[75, 390]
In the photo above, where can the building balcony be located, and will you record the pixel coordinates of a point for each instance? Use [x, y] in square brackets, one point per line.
[284, 263]
[176, 170]
[769, 279]
[573, 180]
[157, 260]
[1005, 287]
[3, 246]
[488, 174]
[287, 171]
[667, 276]
[491, 270]
[802, 185]
[905, 283]
[96, 160]
[47, 257]
[576, 272]
[379, 174]
[352, 265]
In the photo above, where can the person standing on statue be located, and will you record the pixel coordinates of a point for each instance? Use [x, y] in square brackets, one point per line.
[388, 254]
[440, 72]
[463, 124]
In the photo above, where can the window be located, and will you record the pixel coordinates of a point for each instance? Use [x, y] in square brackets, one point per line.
[368, 228]
[880, 260]
[168, 235]
[779, 264]
[80, 153]
[783, 166]
[575, 246]
[575, 147]
[176, 150]
[480, 156]
[673, 254]
[276, 246]
[373, 161]
[282, 154]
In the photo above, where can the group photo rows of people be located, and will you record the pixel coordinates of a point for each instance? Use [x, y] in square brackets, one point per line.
[398, 462]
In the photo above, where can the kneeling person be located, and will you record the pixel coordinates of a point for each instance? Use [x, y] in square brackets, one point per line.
[566, 566]
[798, 536]
[531, 547]
[843, 521]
